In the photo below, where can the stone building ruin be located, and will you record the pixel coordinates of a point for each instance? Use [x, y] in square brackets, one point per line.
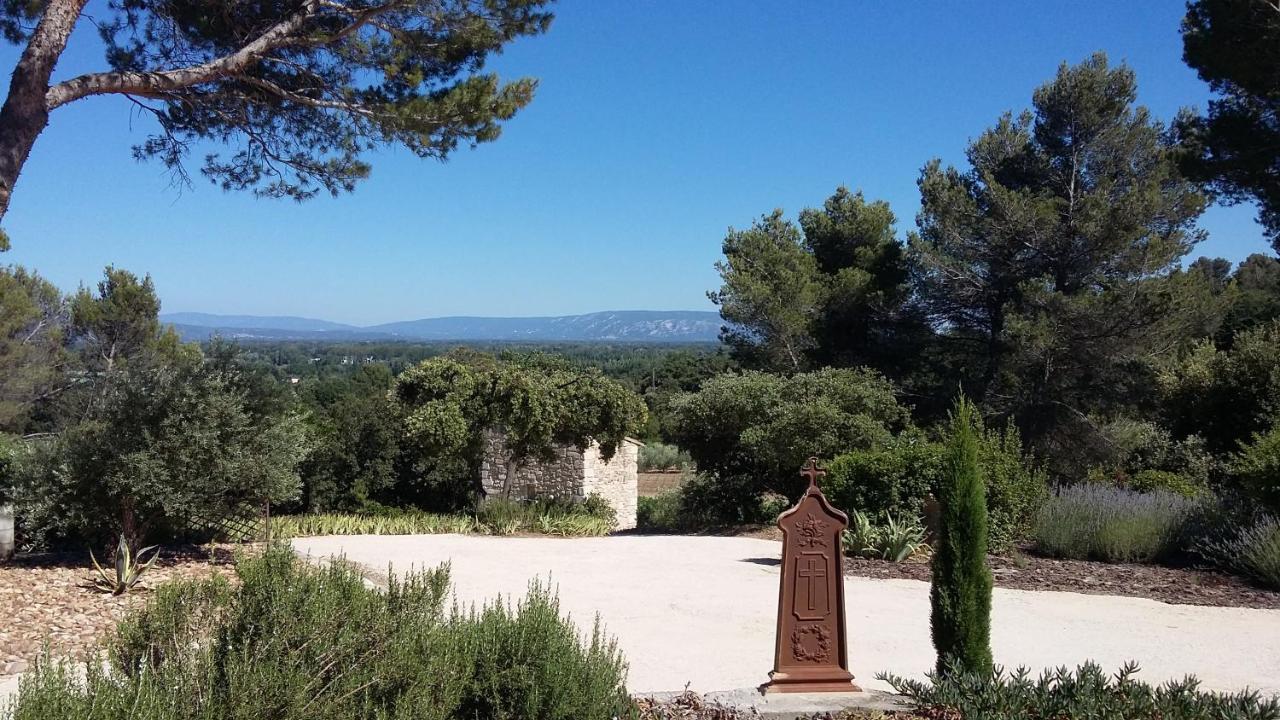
[573, 475]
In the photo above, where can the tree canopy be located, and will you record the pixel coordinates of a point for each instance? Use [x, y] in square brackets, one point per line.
[300, 89]
[832, 290]
[1050, 261]
[1234, 45]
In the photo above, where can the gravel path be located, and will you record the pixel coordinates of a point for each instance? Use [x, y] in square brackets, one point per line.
[700, 611]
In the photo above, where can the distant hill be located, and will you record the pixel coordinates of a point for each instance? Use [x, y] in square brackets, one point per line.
[616, 326]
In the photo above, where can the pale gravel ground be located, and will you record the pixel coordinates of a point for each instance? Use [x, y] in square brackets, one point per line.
[700, 611]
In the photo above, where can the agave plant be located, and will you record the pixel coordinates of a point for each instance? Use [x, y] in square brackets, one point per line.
[129, 568]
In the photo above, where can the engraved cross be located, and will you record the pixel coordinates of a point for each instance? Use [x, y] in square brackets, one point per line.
[812, 574]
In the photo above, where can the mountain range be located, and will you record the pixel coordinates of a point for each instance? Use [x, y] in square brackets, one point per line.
[615, 326]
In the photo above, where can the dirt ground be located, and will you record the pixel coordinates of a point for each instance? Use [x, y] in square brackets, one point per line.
[656, 483]
[51, 598]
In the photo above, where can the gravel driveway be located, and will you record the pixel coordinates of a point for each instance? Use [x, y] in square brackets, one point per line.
[700, 611]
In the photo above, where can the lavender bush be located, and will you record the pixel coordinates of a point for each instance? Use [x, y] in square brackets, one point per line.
[1095, 522]
[1252, 550]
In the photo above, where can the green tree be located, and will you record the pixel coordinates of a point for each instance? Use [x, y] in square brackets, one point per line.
[1050, 262]
[1256, 300]
[865, 318]
[1234, 45]
[118, 323]
[33, 327]
[303, 89]
[748, 433]
[1225, 396]
[537, 403]
[771, 295]
[171, 438]
[960, 595]
[355, 442]
[832, 291]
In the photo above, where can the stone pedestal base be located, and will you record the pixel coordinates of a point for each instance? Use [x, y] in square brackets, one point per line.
[820, 681]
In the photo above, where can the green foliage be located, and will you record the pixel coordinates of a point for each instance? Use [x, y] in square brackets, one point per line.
[406, 523]
[750, 433]
[537, 403]
[1226, 396]
[296, 641]
[895, 478]
[1251, 549]
[592, 517]
[1095, 522]
[163, 441]
[1257, 469]
[119, 323]
[303, 92]
[1085, 693]
[895, 541]
[1257, 297]
[33, 327]
[960, 594]
[355, 433]
[770, 296]
[659, 513]
[833, 291]
[656, 457]
[1147, 481]
[1070, 216]
[1232, 45]
[129, 568]
[898, 477]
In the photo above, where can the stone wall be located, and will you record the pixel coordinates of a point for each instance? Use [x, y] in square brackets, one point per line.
[614, 480]
[573, 475]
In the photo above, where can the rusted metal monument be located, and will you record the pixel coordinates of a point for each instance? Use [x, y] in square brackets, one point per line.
[811, 654]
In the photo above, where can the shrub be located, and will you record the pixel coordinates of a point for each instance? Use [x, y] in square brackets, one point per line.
[591, 517]
[960, 595]
[1166, 481]
[1253, 551]
[295, 641]
[898, 477]
[167, 440]
[1096, 522]
[1085, 693]
[656, 457]
[750, 433]
[1257, 468]
[1226, 395]
[659, 513]
[1016, 488]
[894, 479]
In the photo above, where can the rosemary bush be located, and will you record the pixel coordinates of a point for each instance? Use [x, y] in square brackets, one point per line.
[294, 641]
[1086, 693]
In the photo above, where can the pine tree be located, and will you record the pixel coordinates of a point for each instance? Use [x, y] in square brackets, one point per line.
[961, 592]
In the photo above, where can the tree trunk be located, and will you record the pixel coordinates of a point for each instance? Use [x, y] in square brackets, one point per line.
[509, 483]
[26, 112]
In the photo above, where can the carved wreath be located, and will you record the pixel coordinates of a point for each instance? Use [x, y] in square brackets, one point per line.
[822, 638]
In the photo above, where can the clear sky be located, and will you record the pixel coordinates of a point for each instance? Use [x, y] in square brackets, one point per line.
[657, 125]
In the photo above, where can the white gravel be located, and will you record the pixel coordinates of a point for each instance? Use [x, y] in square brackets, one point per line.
[699, 611]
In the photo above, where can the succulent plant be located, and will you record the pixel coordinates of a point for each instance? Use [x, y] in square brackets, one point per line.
[129, 568]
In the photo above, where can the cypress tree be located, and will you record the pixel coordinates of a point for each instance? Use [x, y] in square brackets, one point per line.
[960, 596]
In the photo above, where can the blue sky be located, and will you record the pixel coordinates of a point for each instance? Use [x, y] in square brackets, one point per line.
[657, 126]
